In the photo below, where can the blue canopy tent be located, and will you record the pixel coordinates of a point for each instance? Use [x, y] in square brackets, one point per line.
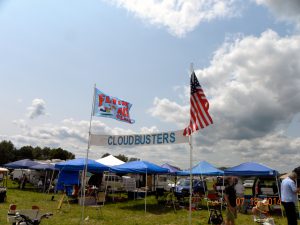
[202, 168]
[79, 165]
[21, 164]
[140, 167]
[254, 169]
[69, 170]
[251, 169]
[43, 166]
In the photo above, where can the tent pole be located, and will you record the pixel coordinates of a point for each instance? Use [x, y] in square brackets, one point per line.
[279, 194]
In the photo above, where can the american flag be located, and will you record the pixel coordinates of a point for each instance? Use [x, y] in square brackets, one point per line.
[200, 117]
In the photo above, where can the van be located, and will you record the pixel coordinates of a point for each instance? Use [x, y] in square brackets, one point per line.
[162, 182]
[111, 182]
[33, 176]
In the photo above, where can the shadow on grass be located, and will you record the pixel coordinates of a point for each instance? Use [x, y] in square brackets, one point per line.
[153, 208]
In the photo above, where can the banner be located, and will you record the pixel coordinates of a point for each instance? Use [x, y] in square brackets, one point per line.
[107, 106]
[134, 140]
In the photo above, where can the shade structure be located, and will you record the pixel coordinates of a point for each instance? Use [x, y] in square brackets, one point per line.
[21, 164]
[203, 168]
[251, 169]
[140, 167]
[79, 164]
[43, 166]
[172, 169]
[3, 169]
[110, 161]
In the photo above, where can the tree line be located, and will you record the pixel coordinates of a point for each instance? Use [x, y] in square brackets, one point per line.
[9, 153]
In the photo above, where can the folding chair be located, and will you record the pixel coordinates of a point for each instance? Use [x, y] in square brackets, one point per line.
[100, 199]
[171, 200]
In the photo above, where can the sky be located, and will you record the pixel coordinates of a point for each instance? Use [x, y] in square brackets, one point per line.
[246, 56]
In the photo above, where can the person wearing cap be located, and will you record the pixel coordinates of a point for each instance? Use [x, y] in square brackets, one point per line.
[289, 197]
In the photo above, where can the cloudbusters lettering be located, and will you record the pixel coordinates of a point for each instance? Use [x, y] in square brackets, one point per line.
[146, 139]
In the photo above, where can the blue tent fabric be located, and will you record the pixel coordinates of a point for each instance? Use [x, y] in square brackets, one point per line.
[251, 169]
[172, 169]
[67, 179]
[43, 166]
[79, 164]
[203, 168]
[140, 167]
[21, 164]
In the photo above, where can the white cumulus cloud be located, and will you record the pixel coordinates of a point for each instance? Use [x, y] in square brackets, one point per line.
[284, 10]
[252, 84]
[37, 108]
[178, 16]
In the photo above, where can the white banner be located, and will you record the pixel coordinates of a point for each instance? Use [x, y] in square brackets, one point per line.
[163, 138]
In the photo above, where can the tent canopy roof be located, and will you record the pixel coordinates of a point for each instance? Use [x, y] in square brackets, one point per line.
[79, 164]
[139, 167]
[43, 166]
[172, 169]
[110, 161]
[251, 169]
[203, 168]
[21, 164]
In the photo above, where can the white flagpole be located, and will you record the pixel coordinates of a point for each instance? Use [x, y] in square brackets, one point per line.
[191, 178]
[191, 165]
[86, 159]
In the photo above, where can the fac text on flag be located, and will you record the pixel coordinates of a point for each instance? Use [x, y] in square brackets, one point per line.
[111, 107]
[133, 140]
[199, 115]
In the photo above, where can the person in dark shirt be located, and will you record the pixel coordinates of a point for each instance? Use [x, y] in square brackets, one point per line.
[230, 198]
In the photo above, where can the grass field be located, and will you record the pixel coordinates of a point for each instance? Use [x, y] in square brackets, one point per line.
[128, 212]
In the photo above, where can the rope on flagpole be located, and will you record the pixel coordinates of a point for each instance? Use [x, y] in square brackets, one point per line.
[86, 159]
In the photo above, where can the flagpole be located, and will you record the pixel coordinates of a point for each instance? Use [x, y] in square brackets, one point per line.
[191, 178]
[86, 159]
[191, 164]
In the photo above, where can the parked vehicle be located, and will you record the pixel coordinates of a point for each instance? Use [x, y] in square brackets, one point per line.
[248, 183]
[162, 182]
[33, 176]
[113, 182]
[183, 187]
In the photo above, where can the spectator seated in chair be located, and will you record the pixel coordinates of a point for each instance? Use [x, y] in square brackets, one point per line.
[261, 210]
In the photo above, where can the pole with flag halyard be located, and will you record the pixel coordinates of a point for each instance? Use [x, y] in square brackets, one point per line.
[86, 159]
[199, 119]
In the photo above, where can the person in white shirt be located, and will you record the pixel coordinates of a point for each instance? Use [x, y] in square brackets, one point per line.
[239, 189]
[289, 197]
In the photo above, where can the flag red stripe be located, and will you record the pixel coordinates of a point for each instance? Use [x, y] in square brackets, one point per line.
[199, 109]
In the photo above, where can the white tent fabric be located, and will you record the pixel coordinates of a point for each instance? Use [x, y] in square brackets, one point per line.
[110, 161]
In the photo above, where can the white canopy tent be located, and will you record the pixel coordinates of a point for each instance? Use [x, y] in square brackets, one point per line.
[110, 161]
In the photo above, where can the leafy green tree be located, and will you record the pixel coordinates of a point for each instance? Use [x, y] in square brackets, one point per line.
[122, 157]
[133, 159]
[26, 152]
[59, 153]
[105, 154]
[7, 150]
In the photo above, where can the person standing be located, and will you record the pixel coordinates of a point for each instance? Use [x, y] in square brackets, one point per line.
[239, 189]
[289, 197]
[230, 198]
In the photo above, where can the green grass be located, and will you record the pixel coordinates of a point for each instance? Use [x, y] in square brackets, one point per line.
[129, 212]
